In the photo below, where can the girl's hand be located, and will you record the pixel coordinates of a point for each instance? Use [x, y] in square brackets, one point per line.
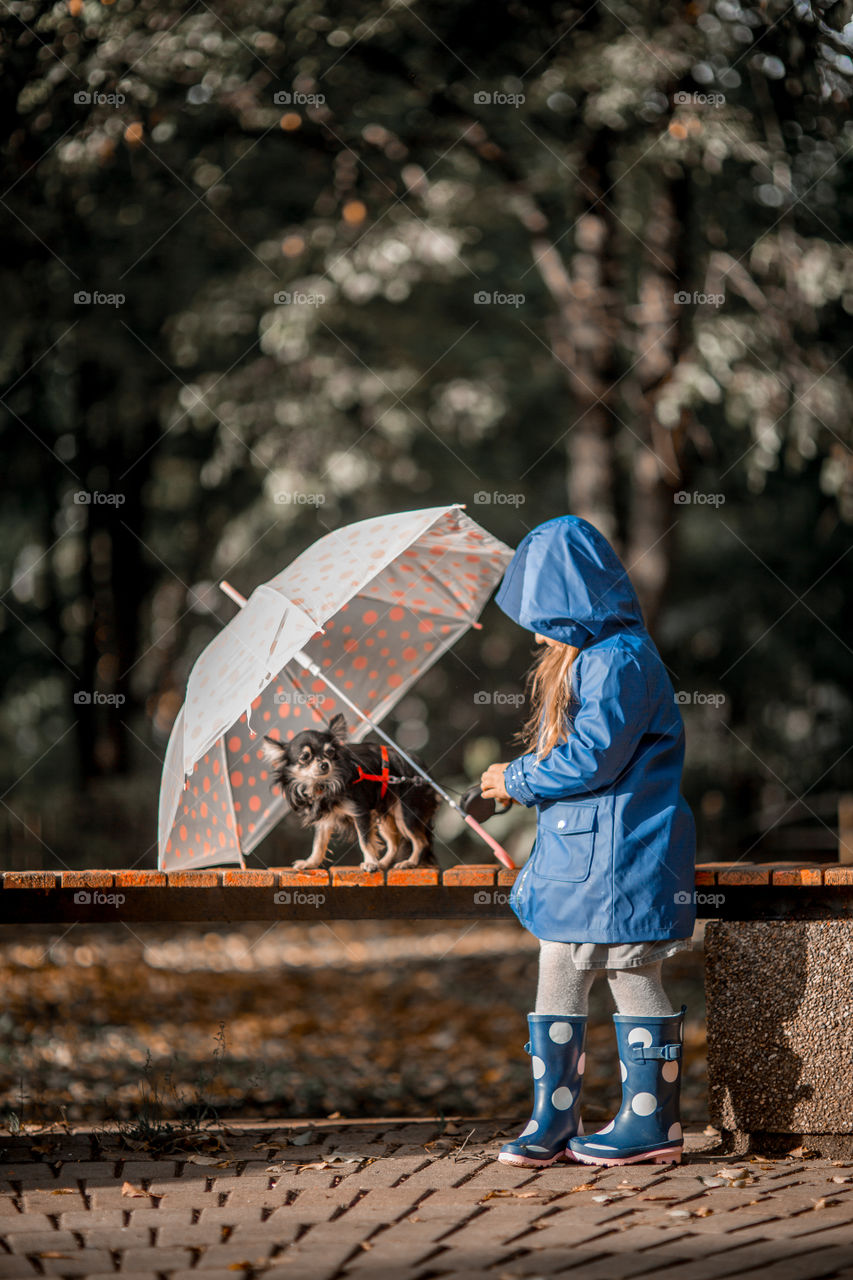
[492, 783]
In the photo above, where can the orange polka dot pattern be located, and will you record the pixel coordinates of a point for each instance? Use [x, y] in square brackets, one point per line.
[374, 605]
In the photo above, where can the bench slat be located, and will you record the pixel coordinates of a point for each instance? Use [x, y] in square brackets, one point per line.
[707, 873]
[728, 891]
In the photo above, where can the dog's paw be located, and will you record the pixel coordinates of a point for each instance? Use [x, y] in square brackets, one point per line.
[370, 866]
[304, 864]
[407, 864]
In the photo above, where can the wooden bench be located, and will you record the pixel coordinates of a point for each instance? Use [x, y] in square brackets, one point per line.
[778, 951]
[724, 891]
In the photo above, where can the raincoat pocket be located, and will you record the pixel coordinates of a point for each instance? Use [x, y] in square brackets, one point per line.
[565, 841]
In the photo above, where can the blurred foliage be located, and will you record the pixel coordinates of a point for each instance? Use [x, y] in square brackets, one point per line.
[616, 166]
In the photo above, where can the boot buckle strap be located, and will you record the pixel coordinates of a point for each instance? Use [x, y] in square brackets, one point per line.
[528, 1047]
[668, 1052]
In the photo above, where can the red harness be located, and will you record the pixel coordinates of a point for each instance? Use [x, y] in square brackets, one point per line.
[382, 777]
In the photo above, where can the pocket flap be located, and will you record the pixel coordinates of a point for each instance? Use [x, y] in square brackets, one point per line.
[565, 819]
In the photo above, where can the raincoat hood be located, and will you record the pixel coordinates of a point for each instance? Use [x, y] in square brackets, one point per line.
[566, 582]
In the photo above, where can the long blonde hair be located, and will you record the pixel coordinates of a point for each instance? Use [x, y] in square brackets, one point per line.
[550, 695]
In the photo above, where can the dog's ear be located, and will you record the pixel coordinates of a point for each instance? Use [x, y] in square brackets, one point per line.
[275, 752]
[338, 727]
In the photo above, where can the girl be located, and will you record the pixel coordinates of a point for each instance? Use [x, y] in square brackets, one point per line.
[609, 883]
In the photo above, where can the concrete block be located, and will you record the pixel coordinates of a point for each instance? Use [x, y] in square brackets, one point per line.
[780, 1033]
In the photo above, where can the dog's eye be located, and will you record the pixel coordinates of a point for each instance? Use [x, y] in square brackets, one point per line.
[330, 751]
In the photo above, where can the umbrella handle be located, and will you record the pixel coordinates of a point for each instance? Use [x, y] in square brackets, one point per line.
[497, 849]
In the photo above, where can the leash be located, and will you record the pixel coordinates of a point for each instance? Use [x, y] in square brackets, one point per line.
[384, 777]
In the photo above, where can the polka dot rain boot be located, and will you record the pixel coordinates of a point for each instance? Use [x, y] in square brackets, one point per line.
[557, 1057]
[648, 1126]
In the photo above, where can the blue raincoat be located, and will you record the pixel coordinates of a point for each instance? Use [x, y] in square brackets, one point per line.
[615, 840]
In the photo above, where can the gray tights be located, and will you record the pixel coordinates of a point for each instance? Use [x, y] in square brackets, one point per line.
[563, 989]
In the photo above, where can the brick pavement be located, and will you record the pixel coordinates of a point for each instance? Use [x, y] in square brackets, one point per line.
[408, 1200]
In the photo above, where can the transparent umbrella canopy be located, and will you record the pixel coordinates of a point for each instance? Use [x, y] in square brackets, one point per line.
[348, 627]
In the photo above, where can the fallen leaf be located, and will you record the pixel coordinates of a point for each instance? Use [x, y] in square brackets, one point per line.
[679, 1213]
[824, 1202]
[737, 1177]
[804, 1153]
[841, 1164]
[584, 1186]
[838, 1179]
[710, 1132]
[344, 1157]
[128, 1189]
[704, 1212]
[336, 1115]
[602, 1199]
[366, 1244]
[507, 1192]
[712, 1182]
[64, 1191]
[202, 1160]
[52, 1253]
[303, 1139]
[317, 1164]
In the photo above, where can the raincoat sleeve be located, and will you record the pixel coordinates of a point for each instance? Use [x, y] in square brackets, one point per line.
[611, 717]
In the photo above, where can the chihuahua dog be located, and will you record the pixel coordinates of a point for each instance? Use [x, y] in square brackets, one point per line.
[331, 783]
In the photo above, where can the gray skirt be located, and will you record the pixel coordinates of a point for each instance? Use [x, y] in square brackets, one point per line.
[624, 955]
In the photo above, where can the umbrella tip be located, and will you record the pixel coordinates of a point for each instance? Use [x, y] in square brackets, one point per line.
[232, 593]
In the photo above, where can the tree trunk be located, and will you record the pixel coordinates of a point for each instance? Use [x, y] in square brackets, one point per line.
[583, 341]
[653, 467]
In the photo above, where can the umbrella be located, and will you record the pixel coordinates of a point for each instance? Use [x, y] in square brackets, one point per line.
[349, 626]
